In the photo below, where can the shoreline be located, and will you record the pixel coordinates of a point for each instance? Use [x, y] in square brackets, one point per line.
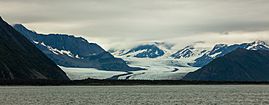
[96, 82]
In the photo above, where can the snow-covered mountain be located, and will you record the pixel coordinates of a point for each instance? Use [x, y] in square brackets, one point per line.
[161, 65]
[149, 50]
[238, 65]
[21, 60]
[145, 51]
[175, 61]
[71, 51]
[161, 51]
[187, 52]
[191, 55]
[161, 60]
[223, 49]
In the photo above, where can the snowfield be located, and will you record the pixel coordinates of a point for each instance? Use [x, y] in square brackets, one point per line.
[172, 65]
[157, 69]
[84, 73]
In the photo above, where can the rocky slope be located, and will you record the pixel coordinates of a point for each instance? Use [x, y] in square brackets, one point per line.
[223, 49]
[71, 51]
[239, 65]
[191, 55]
[21, 60]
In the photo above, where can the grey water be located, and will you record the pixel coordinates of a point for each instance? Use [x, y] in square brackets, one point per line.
[136, 95]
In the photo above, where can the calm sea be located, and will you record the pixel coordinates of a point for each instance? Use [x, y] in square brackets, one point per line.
[136, 95]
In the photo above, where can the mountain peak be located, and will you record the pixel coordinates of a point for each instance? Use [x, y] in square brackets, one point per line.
[220, 45]
[239, 65]
[188, 51]
[145, 51]
[31, 63]
[257, 45]
[259, 42]
[71, 51]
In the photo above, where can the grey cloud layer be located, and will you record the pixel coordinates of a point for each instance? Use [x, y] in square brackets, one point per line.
[138, 19]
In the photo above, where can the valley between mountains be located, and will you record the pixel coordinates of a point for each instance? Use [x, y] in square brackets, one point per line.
[81, 59]
[26, 55]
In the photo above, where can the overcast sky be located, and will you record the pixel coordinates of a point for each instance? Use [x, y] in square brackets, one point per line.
[109, 22]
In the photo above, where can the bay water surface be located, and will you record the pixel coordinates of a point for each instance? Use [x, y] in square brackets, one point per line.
[136, 95]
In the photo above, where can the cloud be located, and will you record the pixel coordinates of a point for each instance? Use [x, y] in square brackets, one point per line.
[113, 21]
[202, 39]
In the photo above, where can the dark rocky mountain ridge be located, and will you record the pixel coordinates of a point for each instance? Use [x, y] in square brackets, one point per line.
[220, 50]
[21, 60]
[239, 65]
[71, 51]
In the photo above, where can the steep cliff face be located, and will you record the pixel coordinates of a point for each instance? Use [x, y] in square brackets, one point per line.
[239, 65]
[71, 51]
[20, 59]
